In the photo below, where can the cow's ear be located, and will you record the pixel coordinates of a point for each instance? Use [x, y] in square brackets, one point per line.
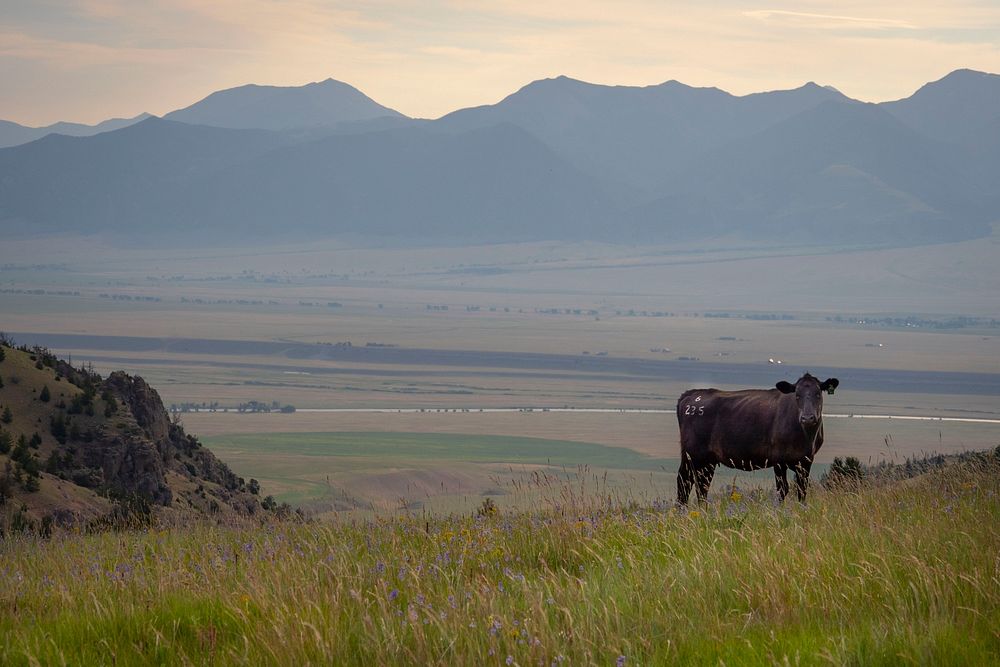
[785, 387]
[829, 385]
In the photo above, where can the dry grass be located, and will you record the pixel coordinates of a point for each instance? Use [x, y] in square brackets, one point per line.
[898, 574]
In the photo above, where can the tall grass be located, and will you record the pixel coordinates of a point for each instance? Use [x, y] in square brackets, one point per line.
[894, 574]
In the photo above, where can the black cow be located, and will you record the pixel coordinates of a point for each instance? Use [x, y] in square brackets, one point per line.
[751, 429]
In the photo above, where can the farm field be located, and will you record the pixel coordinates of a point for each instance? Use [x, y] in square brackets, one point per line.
[438, 473]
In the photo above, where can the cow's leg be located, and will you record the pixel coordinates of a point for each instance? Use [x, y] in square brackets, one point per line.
[704, 476]
[802, 479]
[685, 479]
[781, 481]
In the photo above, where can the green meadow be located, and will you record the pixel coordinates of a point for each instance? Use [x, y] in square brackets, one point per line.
[471, 448]
[894, 573]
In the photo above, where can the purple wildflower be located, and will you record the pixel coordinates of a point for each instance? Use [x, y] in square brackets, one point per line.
[620, 662]
[393, 594]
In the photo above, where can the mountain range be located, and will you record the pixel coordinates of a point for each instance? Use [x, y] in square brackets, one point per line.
[558, 159]
[12, 134]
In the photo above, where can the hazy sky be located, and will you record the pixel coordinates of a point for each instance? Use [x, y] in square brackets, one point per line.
[87, 60]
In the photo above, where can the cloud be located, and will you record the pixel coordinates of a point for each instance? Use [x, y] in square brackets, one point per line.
[451, 51]
[431, 57]
[829, 21]
[70, 55]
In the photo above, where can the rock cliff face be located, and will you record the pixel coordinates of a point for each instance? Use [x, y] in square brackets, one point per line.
[101, 443]
[143, 402]
[128, 466]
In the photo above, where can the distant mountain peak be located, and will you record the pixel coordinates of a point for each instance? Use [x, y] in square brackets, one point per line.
[674, 83]
[268, 107]
[966, 73]
[967, 79]
[960, 107]
[561, 81]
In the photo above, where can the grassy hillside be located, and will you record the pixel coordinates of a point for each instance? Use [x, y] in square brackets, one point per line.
[21, 394]
[893, 573]
[77, 448]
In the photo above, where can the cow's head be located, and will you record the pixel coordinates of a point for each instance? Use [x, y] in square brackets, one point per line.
[809, 396]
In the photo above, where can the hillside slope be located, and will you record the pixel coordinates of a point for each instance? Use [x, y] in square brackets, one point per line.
[78, 448]
[839, 172]
[163, 179]
[880, 574]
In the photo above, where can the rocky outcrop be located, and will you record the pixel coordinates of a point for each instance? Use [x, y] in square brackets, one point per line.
[153, 446]
[128, 466]
[102, 444]
[142, 402]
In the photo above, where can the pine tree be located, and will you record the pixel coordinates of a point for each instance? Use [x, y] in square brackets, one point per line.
[32, 483]
[21, 452]
[7, 416]
[6, 483]
[57, 425]
[45, 395]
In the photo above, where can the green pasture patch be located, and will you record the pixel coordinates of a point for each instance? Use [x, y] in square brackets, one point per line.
[425, 447]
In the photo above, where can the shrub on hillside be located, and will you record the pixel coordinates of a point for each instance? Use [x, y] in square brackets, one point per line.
[844, 473]
[6, 483]
[32, 483]
[488, 508]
